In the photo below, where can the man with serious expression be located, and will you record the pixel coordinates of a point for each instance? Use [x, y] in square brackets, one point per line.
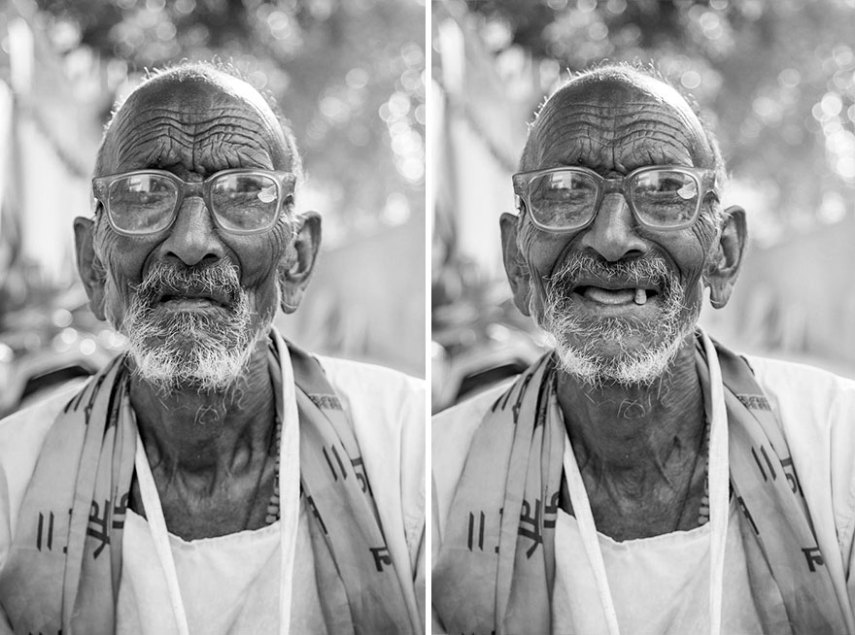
[219, 479]
[207, 329]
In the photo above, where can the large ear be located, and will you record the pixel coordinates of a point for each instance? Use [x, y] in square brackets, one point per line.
[89, 266]
[727, 259]
[515, 265]
[296, 270]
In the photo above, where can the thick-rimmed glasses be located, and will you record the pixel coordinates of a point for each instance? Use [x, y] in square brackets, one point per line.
[240, 201]
[661, 197]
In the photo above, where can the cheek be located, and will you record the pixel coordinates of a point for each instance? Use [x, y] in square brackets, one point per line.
[258, 257]
[691, 252]
[688, 250]
[124, 260]
[544, 251]
[701, 249]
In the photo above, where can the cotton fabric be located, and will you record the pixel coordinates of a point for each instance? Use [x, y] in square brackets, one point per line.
[659, 585]
[387, 418]
[453, 432]
[230, 584]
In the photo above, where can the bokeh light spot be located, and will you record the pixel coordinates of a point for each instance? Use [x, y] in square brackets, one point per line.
[831, 104]
[357, 78]
[789, 77]
[690, 79]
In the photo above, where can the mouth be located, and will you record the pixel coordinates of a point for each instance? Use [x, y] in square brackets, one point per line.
[193, 298]
[617, 294]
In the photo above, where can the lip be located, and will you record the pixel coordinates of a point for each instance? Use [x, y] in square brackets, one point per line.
[189, 303]
[615, 284]
[598, 308]
[615, 297]
[193, 298]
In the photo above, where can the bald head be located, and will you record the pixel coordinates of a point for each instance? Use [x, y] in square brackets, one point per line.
[183, 101]
[616, 118]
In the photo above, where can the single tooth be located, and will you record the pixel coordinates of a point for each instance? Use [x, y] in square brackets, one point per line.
[640, 296]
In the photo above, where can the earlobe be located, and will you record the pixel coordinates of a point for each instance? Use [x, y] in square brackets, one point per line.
[89, 266]
[516, 267]
[726, 262]
[298, 263]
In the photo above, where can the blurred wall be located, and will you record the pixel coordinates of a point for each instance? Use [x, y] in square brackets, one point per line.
[796, 299]
[366, 301]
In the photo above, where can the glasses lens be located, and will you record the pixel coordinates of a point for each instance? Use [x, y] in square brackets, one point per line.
[141, 203]
[563, 199]
[245, 202]
[665, 198]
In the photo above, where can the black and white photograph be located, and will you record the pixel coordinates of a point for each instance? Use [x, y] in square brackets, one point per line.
[482, 317]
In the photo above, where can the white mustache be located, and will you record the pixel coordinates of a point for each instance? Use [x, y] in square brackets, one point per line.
[221, 279]
[632, 271]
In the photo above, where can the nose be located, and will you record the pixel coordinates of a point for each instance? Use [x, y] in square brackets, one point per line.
[612, 234]
[193, 237]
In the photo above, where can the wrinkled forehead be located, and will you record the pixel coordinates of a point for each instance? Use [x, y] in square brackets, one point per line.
[205, 124]
[617, 123]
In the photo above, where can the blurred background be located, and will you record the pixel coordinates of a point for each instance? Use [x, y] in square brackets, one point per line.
[350, 76]
[777, 81]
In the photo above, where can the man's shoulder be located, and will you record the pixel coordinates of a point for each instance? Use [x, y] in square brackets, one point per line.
[383, 403]
[388, 411]
[817, 397]
[22, 437]
[779, 375]
[22, 428]
[452, 431]
[816, 411]
[353, 377]
[452, 425]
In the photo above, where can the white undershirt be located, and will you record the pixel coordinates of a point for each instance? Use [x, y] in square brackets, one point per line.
[230, 584]
[660, 585]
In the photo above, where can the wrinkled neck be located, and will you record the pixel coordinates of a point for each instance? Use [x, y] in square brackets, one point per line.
[193, 431]
[631, 429]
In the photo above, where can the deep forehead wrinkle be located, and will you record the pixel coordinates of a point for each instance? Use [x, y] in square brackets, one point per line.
[613, 136]
[615, 118]
[207, 139]
[198, 124]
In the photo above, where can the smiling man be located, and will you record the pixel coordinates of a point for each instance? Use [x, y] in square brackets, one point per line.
[639, 478]
[215, 478]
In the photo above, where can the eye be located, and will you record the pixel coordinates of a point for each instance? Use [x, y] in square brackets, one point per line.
[563, 187]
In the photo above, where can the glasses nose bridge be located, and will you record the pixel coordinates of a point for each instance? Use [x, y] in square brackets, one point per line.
[613, 185]
[191, 189]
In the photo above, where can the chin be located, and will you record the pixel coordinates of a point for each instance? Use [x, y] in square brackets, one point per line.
[630, 366]
[194, 351]
[617, 351]
[198, 368]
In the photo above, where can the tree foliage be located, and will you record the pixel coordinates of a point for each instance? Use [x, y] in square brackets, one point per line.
[779, 76]
[347, 73]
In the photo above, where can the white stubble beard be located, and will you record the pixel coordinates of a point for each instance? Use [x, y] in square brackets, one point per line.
[633, 365]
[190, 349]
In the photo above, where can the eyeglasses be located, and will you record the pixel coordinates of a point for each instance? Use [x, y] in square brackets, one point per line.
[568, 198]
[240, 201]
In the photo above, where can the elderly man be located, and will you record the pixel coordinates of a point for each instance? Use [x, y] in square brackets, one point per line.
[640, 478]
[213, 479]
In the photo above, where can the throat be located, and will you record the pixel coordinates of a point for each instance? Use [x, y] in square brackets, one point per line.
[212, 503]
[649, 498]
